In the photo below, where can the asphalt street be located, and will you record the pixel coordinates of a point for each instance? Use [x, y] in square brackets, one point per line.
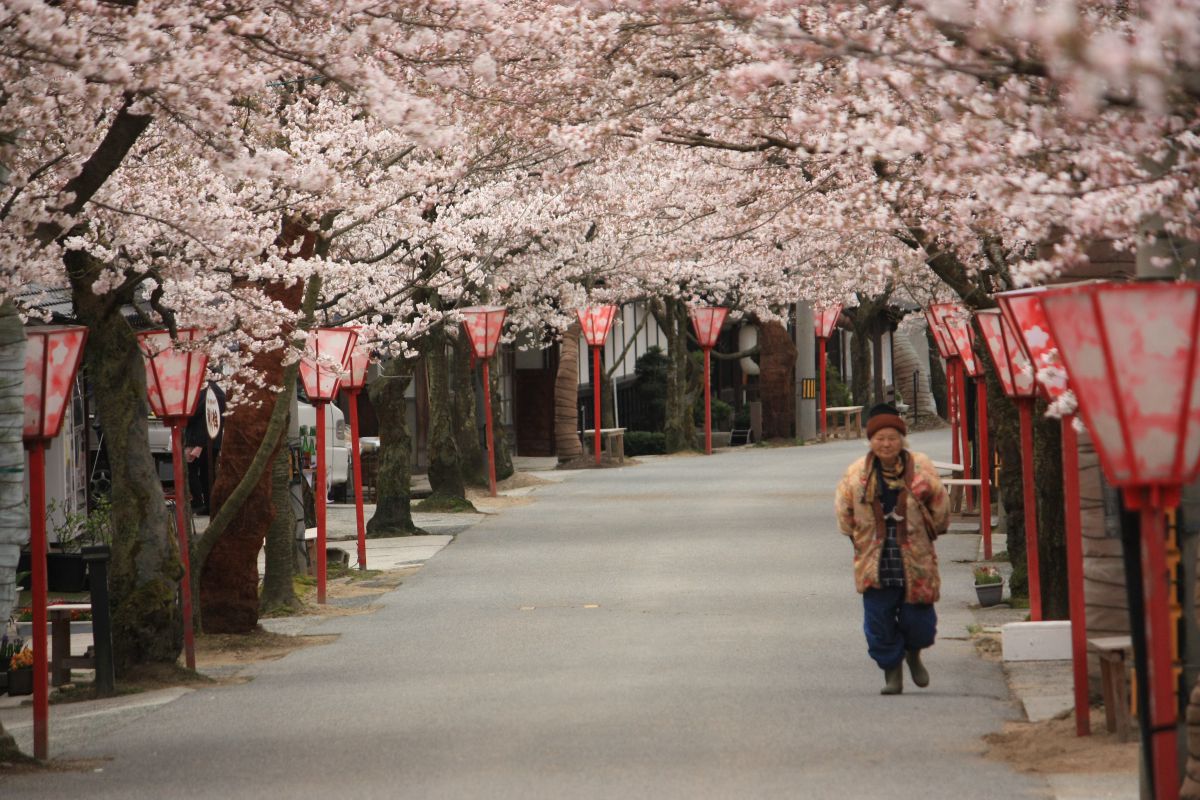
[682, 628]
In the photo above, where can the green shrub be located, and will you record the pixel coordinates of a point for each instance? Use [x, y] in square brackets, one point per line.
[837, 393]
[722, 413]
[650, 392]
[645, 443]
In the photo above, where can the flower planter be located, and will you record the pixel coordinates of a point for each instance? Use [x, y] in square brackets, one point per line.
[65, 572]
[20, 681]
[989, 594]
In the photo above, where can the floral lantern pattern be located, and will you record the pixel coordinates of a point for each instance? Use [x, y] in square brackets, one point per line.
[483, 324]
[825, 319]
[1131, 351]
[933, 316]
[596, 322]
[1012, 366]
[326, 355]
[707, 322]
[52, 356]
[174, 375]
[1023, 309]
[963, 338]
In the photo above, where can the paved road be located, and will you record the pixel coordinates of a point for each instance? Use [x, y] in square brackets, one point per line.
[684, 628]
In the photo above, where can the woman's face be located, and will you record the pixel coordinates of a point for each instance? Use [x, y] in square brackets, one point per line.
[886, 444]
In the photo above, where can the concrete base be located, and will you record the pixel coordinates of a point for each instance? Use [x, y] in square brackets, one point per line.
[1036, 641]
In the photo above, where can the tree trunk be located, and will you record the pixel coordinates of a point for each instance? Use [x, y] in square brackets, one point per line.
[503, 455]
[145, 571]
[393, 476]
[566, 397]
[680, 428]
[445, 466]
[777, 381]
[860, 365]
[278, 589]
[14, 522]
[1052, 551]
[464, 402]
[937, 378]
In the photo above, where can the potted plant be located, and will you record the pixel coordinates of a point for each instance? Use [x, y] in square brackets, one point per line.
[989, 585]
[66, 571]
[9, 647]
[20, 672]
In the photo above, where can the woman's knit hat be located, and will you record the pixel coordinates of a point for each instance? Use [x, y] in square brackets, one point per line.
[885, 415]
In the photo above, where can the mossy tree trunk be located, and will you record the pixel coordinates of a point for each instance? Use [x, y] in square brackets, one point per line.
[445, 464]
[393, 477]
[566, 397]
[503, 455]
[679, 427]
[278, 589]
[464, 407]
[146, 568]
[14, 521]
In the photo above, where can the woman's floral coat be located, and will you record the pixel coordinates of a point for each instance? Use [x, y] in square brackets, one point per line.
[857, 518]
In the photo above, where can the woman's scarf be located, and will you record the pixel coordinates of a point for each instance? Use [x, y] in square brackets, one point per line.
[896, 477]
[893, 477]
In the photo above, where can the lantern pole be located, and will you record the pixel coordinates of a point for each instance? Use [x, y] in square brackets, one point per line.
[356, 458]
[1025, 408]
[952, 407]
[1070, 467]
[319, 492]
[1155, 580]
[185, 581]
[821, 345]
[487, 412]
[596, 401]
[37, 547]
[964, 432]
[985, 467]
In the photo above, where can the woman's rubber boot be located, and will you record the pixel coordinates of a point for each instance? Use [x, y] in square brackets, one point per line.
[893, 680]
[920, 675]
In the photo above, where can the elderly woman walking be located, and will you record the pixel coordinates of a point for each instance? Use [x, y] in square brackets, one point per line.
[892, 506]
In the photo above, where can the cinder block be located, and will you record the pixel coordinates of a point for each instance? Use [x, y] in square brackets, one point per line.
[1036, 641]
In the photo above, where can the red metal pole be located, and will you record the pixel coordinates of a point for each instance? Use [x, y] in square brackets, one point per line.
[185, 544]
[707, 406]
[596, 401]
[985, 468]
[1155, 580]
[319, 494]
[358, 486]
[37, 552]
[964, 432]
[821, 342]
[1025, 407]
[1070, 466]
[487, 412]
[952, 408]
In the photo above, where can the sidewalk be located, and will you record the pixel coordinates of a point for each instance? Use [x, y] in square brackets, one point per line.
[1044, 690]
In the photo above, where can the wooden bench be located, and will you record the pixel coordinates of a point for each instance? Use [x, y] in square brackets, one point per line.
[61, 660]
[1116, 654]
[848, 419]
[612, 442]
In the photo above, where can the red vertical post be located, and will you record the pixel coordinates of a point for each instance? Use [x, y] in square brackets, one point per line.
[319, 494]
[1155, 580]
[356, 459]
[821, 343]
[985, 468]
[1074, 526]
[185, 544]
[964, 432]
[37, 551]
[1025, 407]
[487, 413]
[707, 405]
[952, 408]
[596, 413]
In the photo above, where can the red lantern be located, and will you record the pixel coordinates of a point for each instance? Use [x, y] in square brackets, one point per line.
[1016, 378]
[1134, 365]
[596, 322]
[326, 356]
[1023, 309]
[963, 336]
[707, 322]
[52, 356]
[174, 380]
[939, 316]
[483, 325]
[354, 381]
[824, 321]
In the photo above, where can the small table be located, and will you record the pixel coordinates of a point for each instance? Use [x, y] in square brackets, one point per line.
[1115, 654]
[850, 419]
[61, 660]
[612, 441]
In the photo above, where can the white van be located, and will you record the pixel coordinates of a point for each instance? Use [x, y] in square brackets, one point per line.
[337, 445]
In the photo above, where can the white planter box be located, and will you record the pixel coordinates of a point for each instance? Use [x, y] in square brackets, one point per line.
[1036, 641]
